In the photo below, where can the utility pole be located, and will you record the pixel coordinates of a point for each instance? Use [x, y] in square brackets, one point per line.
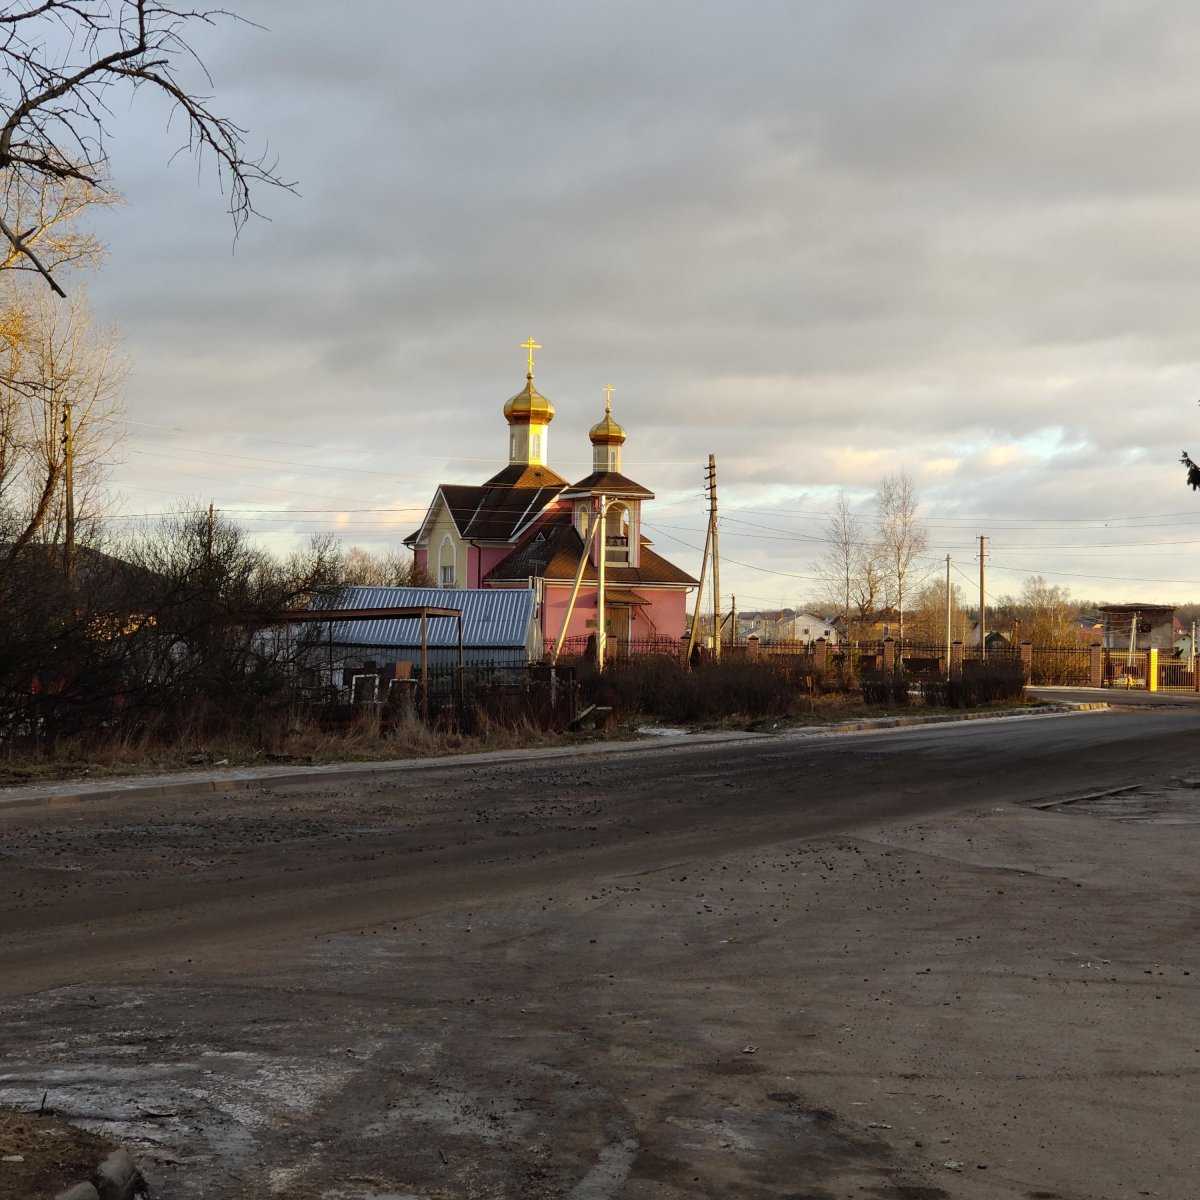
[716, 555]
[982, 598]
[948, 617]
[1192, 649]
[733, 632]
[209, 532]
[695, 631]
[68, 444]
[601, 626]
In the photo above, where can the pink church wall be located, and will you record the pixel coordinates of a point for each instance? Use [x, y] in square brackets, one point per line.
[421, 557]
[664, 617]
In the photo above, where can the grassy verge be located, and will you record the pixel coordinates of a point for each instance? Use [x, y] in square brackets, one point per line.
[41, 1155]
[305, 745]
[364, 741]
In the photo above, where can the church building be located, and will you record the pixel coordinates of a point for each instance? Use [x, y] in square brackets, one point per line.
[527, 527]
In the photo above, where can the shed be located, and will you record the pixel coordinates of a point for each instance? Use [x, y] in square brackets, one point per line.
[498, 626]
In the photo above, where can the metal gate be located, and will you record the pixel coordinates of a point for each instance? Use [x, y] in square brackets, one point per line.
[1125, 669]
[1177, 675]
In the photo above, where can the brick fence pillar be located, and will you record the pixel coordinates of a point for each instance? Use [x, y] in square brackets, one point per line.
[1097, 666]
[752, 646]
[820, 657]
[889, 656]
[956, 659]
[1027, 660]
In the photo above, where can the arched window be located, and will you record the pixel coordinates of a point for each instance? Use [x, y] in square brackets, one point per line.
[447, 555]
[616, 532]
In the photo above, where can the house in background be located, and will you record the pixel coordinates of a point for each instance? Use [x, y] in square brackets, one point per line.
[1152, 626]
[995, 639]
[526, 528]
[805, 627]
[787, 625]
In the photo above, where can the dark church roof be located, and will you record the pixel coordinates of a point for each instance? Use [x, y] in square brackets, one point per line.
[552, 551]
[610, 483]
[491, 513]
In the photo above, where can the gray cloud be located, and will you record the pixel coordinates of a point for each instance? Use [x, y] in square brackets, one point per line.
[822, 241]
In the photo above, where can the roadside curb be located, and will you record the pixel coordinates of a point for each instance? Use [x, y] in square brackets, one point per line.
[876, 724]
[242, 779]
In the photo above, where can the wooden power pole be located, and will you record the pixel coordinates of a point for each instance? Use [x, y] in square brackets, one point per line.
[949, 614]
[68, 445]
[716, 554]
[982, 598]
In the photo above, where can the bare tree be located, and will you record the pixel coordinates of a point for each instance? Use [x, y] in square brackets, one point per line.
[361, 568]
[64, 63]
[902, 539]
[867, 587]
[840, 562]
[64, 363]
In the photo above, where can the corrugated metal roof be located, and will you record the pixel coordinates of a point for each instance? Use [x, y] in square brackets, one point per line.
[491, 617]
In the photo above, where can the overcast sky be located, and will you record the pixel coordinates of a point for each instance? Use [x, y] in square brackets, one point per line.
[820, 241]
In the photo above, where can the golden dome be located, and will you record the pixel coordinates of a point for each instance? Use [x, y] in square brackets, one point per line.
[607, 432]
[528, 406]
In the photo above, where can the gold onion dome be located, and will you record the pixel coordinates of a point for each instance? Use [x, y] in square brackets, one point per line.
[607, 431]
[528, 405]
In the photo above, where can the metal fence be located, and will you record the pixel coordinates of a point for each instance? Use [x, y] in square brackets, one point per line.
[1177, 675]
[576, 648]
[506, 688]
[1061, 666]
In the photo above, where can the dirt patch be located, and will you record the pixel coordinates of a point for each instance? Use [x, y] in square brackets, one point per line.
[42, 1155]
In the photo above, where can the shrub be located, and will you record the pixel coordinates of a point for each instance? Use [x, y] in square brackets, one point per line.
[661, 687]
[980, 683]
[884, 689]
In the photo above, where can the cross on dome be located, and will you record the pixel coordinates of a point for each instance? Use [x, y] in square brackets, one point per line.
[530, 346]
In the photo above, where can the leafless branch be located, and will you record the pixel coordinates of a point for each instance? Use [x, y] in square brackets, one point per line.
[59, 63]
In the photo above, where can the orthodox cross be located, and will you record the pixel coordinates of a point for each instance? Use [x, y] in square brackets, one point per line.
[608, 391]
[530, 345]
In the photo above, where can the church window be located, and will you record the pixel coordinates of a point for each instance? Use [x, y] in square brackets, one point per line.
[446, 563]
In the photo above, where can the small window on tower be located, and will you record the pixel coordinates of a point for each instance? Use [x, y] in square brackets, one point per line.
[535, 445]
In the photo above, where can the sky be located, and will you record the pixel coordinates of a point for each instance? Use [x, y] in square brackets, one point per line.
[822, 242]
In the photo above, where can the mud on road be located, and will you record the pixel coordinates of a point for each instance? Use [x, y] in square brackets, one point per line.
[868, 967]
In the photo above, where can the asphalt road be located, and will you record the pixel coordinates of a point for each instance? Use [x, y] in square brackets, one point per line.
[795, 968]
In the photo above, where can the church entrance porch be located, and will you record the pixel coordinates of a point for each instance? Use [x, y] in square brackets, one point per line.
[618, 622]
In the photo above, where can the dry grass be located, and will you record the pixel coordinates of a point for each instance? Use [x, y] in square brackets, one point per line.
[52, 1155]
[296, 742]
